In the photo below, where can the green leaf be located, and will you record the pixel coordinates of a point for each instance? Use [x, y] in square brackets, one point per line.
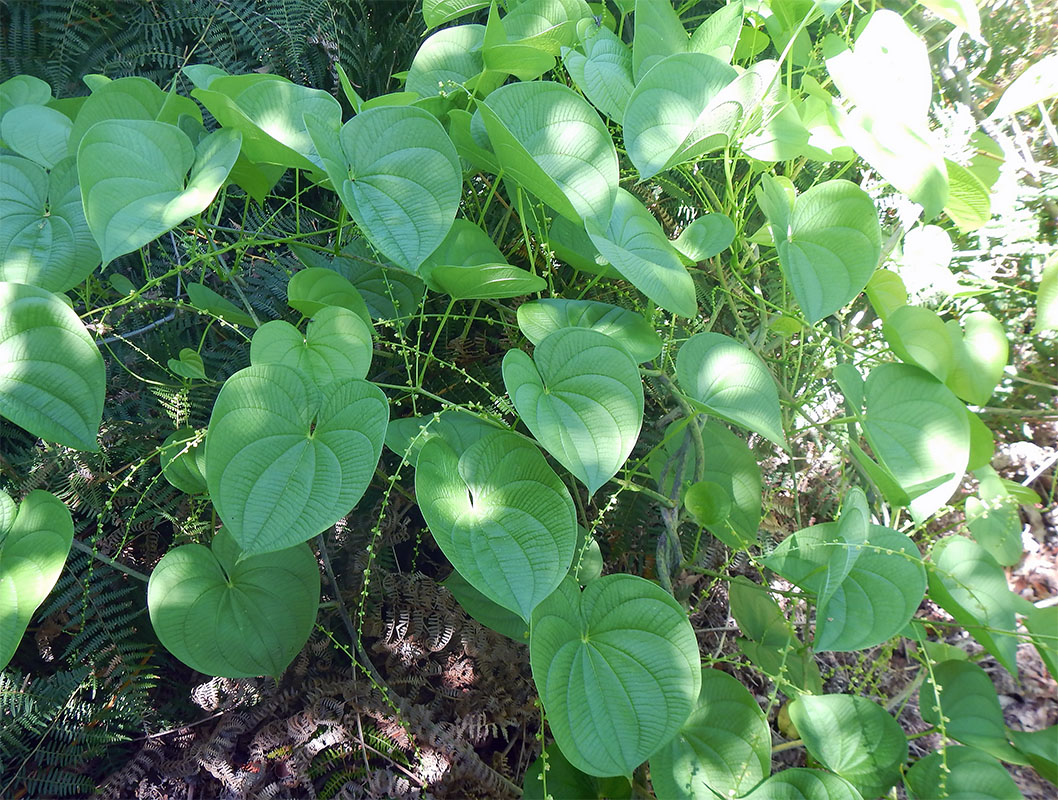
[1047, 297]
[723, 747]
[970, 708]
[993, 519]
[39, 133]
[447, 59]
[337, 345]
[617, 668]
[918, 336]
[134, 183]
[1036, 84]
[539, 318]
[969, 204]
[582, 398]
[554, 145]
[967, 583]
[960, 773]
[205, 299]
[35, 539]
[269, 112]
[960, 13]
[489, 613]
[980, 354]
[44, 238]
[886, 292]
[52, 378]
[286, 459]
[800, 783]
[225, 612]
[982, 443]
[634, 243]
[566, 781]
[658, 33]
[23, 90]
[313, 289]
[501, 516]
[468, 266]
[460, 429]
[506, 54]
[720, 33]
[1038, 747]
[918, 429]
[604, 71]
[854, 737]
[707, 236]
[183, 459]
[829, 244]
[709, 503]
[398, 174]
[438, 12]
[727, 379]
[680, 111]
[189, 365]
[1042, 623]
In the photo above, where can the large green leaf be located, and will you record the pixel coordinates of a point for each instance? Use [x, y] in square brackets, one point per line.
[723, 747]
[398, 174]
[35, 538]
[634, 243]
[44, 238]
[554, 145]
[800, 783]
[730, 381]
[39, 133]
[960, 773]
[582, 398]
[919, 430]
[854, 737]
[337, 345]
[967, 583]
[225, 612]
[286, 459]
[447, 59]
[828, 242]
[603, 71]
[52, 378]
[617, 668]
[539, 318]
[501, 516]
[269, 112]
[135, 184]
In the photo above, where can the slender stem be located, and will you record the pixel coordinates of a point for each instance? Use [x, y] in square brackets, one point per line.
[79, 545]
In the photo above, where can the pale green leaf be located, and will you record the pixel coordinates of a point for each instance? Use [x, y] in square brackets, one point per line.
[337, 345]
[438, 12]
[705, 237]
[969, 205]
[39, 133]
[188, 365]
[205, 299]
[488, 612]
[460, 429]
[720, 33]
[980, 354]
[886, 292]
[1047, 297]
[918, 336]
[468, 266]
[604, 71]
[658, 33]
[1039, 82]
[315, 288]
[447, 59]
[539, 318]
[960, 13]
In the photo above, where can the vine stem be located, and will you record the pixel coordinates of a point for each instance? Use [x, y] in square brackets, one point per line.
[788, 746]
[79, 545]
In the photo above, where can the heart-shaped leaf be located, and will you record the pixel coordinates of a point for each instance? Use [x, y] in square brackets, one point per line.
[501, 516]
[224, 612]
[39, 133]
[553, 144]
[960, 773]
[183, 458]
[800, 783]
[286, 459]
[980, 353]
[658, 33]
[854, 737]
[313, 289]
[469, 266]
[52, 378]
[134, 183]
[829, 242]
[723, 747]
[634, 243]
[617, 668]
[565, 780]
[336, 346]
[918, 336]
[918, 429]
[459, 428]
[35, 538]
[582, 399]
[446, 60]
[44, 238]
[540, 318]
[603, 71]
[730, 381]
[398, 174]
[706, 237]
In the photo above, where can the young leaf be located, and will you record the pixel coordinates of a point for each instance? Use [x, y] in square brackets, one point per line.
[1035, 85]
[730, 381]
[582, 398]
[336, 346]
[134, 182]
[224, 612]
[553, 144]
[929, 457]
[918, 336]
[800, 783]
[854, 737]
[398, 174]
[829, 244]
[447, 58]
[960, 773]
[205, 299]
[35, 538]
[539, 318]
[969, 203]
[719, 34]
[723, 747]
[468, 266]
[315, 288]
[52, 378]
[286, 459]
[658, 33]
[1041, 623]
[634, 243]
[44, 238]
[617, 668]
[707, 236]
[501, 516]
[183, 459]
[39, 133]
[188, 365]
[980, 352]
[460, 429]
[604, 71]
[564, 780]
